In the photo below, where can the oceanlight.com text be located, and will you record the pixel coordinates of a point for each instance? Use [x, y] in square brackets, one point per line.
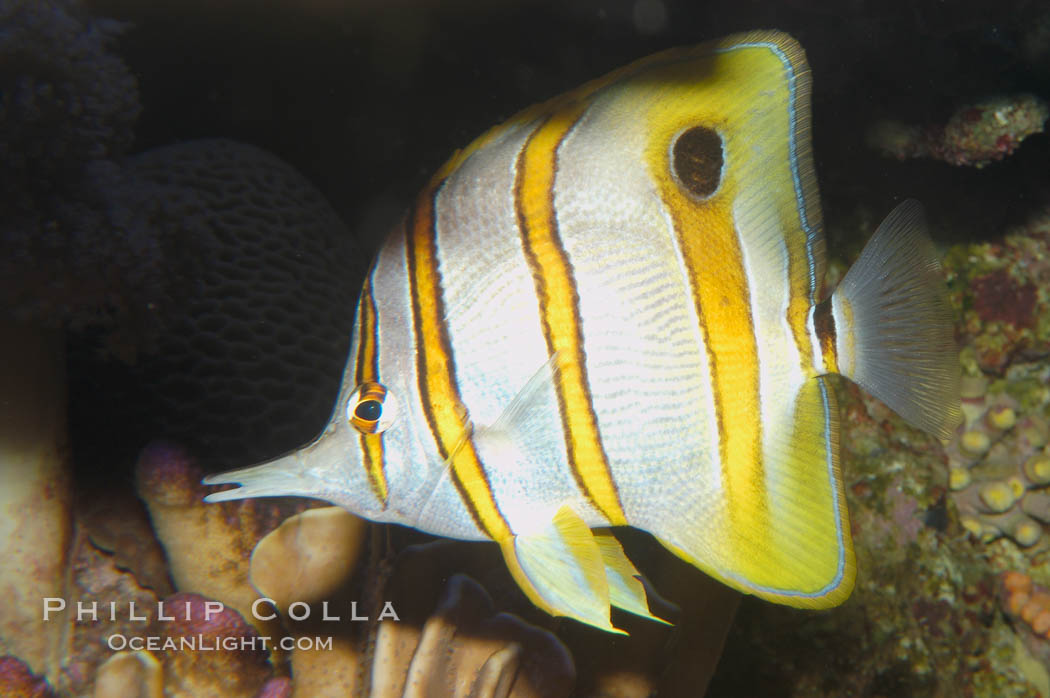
[201, 643]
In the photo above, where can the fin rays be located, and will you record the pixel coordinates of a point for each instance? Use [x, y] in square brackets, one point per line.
[801, 554]
[900, 345]
[568, 570]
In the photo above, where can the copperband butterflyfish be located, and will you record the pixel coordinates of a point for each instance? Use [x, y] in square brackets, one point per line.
[609, 311]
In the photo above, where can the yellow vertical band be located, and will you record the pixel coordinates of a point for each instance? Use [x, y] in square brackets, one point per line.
[711, 252]
[723, 301]
[442, 404]
[559, 310]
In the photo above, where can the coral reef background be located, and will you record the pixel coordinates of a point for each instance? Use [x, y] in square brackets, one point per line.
[191, 191]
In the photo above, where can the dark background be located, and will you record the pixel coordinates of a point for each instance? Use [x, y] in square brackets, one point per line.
[368, 98]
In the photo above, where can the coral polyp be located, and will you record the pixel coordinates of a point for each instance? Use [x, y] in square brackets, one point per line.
[998, 470]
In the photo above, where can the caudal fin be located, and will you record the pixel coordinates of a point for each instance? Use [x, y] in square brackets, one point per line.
[894, 324]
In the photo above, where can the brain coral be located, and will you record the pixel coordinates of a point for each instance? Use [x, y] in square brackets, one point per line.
[263, 280]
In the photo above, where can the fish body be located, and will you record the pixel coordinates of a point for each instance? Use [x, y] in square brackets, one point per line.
[609, 312]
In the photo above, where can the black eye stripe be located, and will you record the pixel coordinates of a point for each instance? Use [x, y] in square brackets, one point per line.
[371, 409]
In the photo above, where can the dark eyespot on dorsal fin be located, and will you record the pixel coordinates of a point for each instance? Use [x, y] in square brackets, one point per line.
[697, 159]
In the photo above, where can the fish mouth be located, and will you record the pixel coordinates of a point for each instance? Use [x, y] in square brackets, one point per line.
[311, 471]
[276, 478]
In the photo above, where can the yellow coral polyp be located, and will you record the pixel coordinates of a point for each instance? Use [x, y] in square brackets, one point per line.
[1037, 469]
[1035, 432]
[959, 479]
[998, 496]
[1027, 533]
[975, 442]
[972, 525]
[1002, 417]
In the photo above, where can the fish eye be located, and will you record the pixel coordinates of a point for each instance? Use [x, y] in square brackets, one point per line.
[371, 408]
[697, 160]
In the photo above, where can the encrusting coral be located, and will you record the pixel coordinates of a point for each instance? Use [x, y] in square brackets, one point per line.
[95, 582]
[17, 681]
[1027, 601]
[1027, 604]
[208, 546]
[228, 660]
[975, 135]
[116, 523]
[309, 557]
[1001, 291]
[999, 470]
[280, 687]
[130, 675]
[35, 495]
[999, 464]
